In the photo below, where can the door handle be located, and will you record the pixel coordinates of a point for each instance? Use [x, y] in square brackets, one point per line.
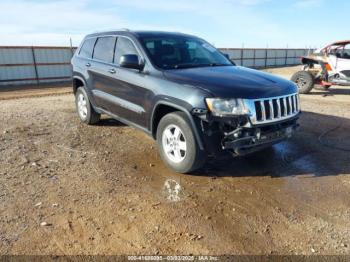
[112, 71]
[87, 64]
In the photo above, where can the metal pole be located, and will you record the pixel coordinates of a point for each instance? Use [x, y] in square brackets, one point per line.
[71, 46]
[286, 56]
[254, 57]
[242, 54]
[35, 66]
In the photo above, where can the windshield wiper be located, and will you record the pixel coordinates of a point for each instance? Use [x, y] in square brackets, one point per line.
[179, 66]
[188, 65]
[217, 64]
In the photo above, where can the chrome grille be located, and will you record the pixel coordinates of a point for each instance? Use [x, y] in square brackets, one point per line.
[273, 109]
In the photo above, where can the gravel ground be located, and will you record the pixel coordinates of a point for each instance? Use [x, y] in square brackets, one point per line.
[67, 188]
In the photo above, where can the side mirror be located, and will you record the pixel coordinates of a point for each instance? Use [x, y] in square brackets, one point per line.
[227, 56]
[131, 61]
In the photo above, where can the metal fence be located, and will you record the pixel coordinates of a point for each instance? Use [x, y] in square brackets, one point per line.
[265, 57]
[35, 65]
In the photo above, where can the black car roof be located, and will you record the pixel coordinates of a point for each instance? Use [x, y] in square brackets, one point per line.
[137, 33]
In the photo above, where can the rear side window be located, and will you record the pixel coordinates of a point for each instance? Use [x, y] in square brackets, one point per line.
[104, 49]
[124, 47]
[87, 48]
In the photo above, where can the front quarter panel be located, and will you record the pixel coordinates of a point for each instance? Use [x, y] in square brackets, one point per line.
[182, 96]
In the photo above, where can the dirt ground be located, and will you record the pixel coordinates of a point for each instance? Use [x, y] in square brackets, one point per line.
[68, 189]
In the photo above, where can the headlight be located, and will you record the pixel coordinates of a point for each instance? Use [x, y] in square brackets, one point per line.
[226, 107]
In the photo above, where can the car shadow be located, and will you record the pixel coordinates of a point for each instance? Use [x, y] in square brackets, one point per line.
[310, 152]
[109, 122]
[332, 91]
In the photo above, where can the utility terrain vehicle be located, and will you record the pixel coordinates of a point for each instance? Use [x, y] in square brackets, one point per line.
[326, 67]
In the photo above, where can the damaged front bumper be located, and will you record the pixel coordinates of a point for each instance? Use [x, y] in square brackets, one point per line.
[244, 141]
[240, 136]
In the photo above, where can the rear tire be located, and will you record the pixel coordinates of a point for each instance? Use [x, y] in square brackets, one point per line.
[86, 112]
[177, 144]
[304, 80]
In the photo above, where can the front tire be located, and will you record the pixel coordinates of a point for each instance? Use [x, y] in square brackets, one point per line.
[304, 80]
[177, 144]
[86, 112]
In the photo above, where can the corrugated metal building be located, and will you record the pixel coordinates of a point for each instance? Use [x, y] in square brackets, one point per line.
[32, 65]
[35, 65]
[265, 57]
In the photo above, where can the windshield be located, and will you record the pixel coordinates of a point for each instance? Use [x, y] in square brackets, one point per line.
[175, 52]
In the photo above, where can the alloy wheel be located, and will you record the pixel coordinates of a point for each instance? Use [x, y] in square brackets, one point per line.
[174, 143]
[82, 106]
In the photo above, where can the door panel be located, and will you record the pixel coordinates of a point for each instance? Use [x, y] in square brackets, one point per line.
[102, 80]
[340, 60]
[128, 90]
[120, 91]
[100, 70]
[343, 64]
[131, 96]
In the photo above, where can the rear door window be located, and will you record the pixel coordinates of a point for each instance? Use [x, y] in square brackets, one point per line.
[87, 48]
[124, 46]
[104, 49]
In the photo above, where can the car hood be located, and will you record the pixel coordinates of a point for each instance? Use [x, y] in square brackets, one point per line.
[232, 82]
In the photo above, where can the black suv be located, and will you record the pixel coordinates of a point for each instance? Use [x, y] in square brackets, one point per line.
[184, 93]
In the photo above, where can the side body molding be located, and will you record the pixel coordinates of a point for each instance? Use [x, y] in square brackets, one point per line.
[118, 101]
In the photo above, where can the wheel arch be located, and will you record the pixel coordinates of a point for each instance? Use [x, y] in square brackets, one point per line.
[78, 82]
[309, 61]
[162, 108]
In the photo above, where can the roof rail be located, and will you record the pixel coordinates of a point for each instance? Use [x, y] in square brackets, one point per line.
[104, 31]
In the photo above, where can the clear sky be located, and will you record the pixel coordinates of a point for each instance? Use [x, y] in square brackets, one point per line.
[224, 23]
